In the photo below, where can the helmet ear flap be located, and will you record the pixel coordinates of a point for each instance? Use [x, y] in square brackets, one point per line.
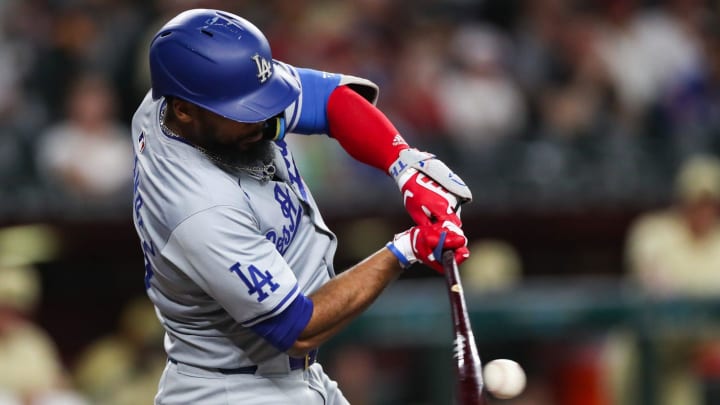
[274, 129]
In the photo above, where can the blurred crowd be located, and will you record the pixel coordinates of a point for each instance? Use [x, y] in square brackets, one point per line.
[547, 102]
[120, 367]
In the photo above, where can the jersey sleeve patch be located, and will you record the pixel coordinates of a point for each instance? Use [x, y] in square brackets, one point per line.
[283, 329]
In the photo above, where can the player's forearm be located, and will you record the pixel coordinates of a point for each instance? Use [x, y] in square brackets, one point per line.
[343, 298]
[363, 130]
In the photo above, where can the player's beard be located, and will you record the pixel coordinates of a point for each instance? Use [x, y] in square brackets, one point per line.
[257, 153]
[254, 154]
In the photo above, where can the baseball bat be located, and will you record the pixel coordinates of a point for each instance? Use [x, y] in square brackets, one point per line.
[468, 367]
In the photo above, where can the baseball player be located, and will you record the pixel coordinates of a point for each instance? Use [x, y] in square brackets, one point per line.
[238, 260]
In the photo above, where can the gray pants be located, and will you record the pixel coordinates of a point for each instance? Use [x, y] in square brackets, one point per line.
[184, 384]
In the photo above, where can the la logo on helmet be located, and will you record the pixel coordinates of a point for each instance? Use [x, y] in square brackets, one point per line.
[264, 68]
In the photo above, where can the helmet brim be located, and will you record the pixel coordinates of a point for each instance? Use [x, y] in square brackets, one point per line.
[272, 98]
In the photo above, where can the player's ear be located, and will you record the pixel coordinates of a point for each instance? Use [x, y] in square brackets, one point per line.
[184, 111]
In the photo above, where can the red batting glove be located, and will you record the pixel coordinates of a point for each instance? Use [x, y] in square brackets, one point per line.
[418, 243]
[431, 191]
[427, 201]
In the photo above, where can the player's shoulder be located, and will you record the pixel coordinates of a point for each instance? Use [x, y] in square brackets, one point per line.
[175, 187]
[203, 187]
[147, 109]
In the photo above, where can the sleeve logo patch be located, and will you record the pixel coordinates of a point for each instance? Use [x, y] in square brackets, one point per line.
[255, 280]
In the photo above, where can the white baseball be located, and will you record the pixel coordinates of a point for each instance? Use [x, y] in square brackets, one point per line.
[504, 378]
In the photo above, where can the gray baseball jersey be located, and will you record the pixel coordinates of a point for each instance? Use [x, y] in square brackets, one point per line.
[226, 250]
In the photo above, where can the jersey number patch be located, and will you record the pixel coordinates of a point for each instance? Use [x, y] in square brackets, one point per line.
[255, 280]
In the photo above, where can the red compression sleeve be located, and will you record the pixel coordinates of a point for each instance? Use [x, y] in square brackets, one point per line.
[362, 129]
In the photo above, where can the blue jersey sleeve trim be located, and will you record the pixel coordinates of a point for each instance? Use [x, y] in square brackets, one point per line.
[270, 313]
[283, 330]
[316, 89]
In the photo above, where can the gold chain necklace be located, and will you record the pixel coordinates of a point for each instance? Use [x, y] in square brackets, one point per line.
[262, 172]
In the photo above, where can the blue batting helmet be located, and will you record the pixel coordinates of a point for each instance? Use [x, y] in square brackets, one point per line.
[220, 62]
